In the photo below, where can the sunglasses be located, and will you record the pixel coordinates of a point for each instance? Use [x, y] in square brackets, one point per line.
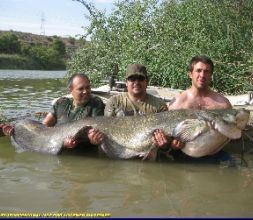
[134, 78]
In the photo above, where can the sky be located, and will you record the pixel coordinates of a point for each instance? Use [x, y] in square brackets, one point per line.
[50, 17]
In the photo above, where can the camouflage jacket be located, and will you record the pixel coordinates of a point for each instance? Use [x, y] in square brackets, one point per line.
[64, 110]
[121, 105]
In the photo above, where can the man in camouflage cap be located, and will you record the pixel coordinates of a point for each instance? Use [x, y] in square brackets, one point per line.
[136, 101]
[136, 70]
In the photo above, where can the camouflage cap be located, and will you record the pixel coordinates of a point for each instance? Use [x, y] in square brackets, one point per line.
[136, 69]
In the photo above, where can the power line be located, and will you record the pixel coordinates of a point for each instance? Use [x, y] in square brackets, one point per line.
[42, 24]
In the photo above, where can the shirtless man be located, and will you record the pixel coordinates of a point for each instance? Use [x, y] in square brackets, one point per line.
[200, 95]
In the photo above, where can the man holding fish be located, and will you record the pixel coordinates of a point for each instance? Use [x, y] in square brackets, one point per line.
[137, 102]
[82, 104]
[200, 95]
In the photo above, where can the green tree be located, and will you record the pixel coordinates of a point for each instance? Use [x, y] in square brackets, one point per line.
[164, 35]
[9, 43]
[45, 58]
[59, 46]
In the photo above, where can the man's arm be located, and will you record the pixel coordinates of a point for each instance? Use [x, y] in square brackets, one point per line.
[49, 120]
[110, 107]
[97, 107]
[178, 102]
[226, 103]
[170, 104]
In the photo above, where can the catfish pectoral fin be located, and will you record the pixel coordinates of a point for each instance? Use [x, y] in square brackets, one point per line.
[189, 129]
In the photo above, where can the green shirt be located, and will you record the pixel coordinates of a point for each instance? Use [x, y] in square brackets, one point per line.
[64, 111]
[121, 105]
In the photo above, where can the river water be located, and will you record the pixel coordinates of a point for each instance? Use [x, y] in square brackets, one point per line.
[38, 183]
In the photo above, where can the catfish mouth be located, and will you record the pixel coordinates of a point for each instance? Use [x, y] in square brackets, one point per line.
[242, 118]
[232, 126]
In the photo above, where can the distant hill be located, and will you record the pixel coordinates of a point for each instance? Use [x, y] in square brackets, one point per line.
[28, 38]
[33, 51]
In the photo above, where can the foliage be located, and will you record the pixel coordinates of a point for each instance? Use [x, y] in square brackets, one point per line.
[35, 56]
[41, 62]
[45, 57]
[14, 61]
[164, 35]
[59, 47]
[9, 43]
[72, 40]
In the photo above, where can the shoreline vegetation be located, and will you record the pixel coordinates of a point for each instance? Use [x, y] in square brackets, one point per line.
[20, 50]
[164, 35]
[17, 61]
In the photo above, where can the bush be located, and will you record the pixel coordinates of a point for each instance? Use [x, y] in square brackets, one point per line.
[14, 61]
[9, 43]
[164, 35]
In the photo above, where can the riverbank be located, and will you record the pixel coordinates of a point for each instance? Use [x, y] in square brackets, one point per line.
[28, 51]
[17, 61]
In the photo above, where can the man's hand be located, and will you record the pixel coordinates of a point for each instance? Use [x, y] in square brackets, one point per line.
[69, 142]
[160, 139]
[7, 129]
[95, 136]
[177, 145]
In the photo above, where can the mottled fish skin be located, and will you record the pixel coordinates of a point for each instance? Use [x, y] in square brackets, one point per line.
[203, 131]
